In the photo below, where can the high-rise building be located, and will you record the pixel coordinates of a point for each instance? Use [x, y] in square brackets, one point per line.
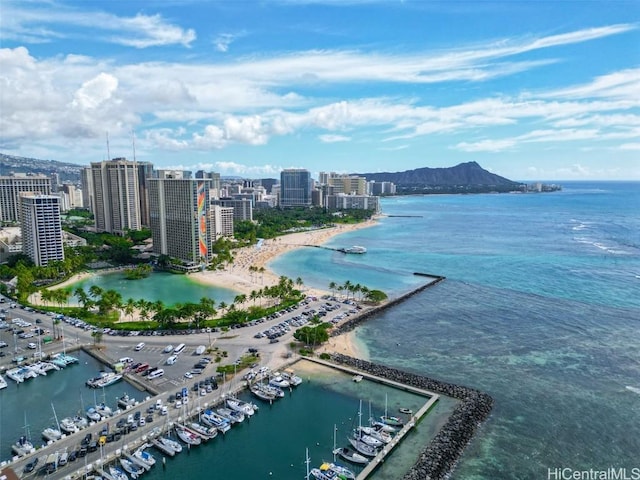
[41, 228]
[87, 189]
[349, 184]
[145, 172]
[117, 195]
[242, 207]
[181, 222]
[222, 220]
[353, 202]
[12, 186]
[295, 187]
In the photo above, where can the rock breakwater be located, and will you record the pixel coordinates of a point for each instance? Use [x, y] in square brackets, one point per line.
[441, 455]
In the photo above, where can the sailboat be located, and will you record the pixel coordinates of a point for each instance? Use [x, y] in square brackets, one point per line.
[50, 433]
[357, 442]
[23, 445]
[344, 452]
[389, 419]
[328, 471]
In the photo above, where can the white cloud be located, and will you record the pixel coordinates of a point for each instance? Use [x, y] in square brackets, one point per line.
[486, 145]
[239, 169]
[223, 40]
[630, 146]
[93, 93]
[333, 138]
[41, 22]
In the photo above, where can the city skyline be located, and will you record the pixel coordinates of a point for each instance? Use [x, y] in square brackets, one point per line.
[529, 90]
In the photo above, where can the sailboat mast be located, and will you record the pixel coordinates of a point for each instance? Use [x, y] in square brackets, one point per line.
[55, 416]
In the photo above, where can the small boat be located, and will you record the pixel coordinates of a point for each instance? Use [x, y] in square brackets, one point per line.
[187, 437]
[175, 446]
[93, 415]
[212, 419]
[357, 378]
[68, 425]
[357, 249]
[131, 468]
[368, 439]
[241, 406]
[378, 434]
[23, 447]
[406, 411]
[51, 434]
[3, 382]
[362, 447]
[351, 455]
[117, 474]
[80, 421]
[263, 394]
[143, 457]
[231, 415]
[343, 472]
[328, 471]
[125, 401]
[104, 380]
[293, 379]
[278, 380]
[207, 432]
[104, 410]
[167, 445]
[391, 420]
[382, 426]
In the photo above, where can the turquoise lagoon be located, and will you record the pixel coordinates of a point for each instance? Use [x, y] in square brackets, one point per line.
[167, 287]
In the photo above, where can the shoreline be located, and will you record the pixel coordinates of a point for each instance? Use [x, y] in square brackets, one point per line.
[240, 276]
[250, 268]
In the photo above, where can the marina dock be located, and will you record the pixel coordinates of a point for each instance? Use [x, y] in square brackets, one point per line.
[397, 438]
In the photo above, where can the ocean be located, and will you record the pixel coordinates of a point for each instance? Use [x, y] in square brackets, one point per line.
[540, 309]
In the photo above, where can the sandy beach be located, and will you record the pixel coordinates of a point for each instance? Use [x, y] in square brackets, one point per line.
[242, 277]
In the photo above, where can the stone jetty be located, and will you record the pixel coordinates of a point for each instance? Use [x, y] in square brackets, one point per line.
[440, 456]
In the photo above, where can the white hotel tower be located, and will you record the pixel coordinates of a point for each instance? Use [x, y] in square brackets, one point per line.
[41, 227]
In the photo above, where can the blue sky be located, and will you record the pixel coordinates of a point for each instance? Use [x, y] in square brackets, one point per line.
[535, 90]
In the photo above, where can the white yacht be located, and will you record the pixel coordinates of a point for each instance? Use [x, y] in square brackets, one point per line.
[3, 382]
[241, 406]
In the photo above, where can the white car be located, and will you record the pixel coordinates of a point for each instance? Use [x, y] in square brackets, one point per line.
[32, 346]
[139, 346]
[172, 359]
[168, 349]
[188, 375]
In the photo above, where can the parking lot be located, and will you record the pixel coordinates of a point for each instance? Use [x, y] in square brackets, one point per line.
[150, 350]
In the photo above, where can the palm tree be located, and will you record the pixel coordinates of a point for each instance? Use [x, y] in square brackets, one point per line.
[222, 306]
[129, 307]
[299, 282]
[261, 270]
[348, 287]
[240, 298]
[253, 296]
[97, 336]
[332, 287]
[95, 291]
[46, 295]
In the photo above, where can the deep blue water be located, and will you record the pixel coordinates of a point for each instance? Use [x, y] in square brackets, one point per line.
[541, 309]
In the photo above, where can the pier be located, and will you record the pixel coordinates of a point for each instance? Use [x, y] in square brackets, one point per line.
[397, 438]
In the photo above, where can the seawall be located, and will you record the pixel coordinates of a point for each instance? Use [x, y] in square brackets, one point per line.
[441, 455]
[354, 322]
